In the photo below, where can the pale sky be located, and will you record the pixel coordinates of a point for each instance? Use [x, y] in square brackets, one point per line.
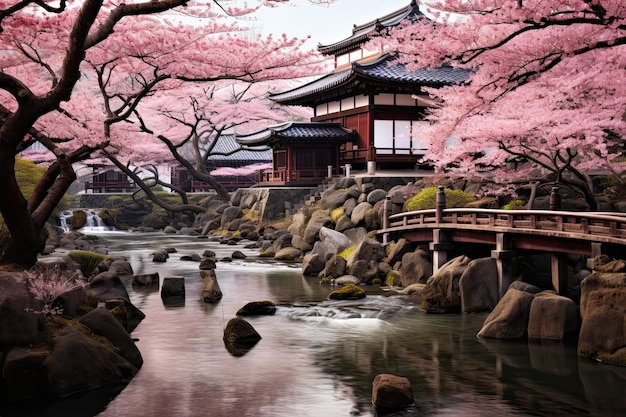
[325, 24]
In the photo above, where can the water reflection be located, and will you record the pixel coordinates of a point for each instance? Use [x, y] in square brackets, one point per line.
[318, 357]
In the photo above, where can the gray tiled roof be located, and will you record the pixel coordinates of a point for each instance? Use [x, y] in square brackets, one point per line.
[228, 149]
[296, 130]
[385, 69]
[378, 69]
[361, 33]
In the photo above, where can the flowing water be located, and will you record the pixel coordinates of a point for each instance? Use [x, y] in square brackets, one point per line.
[318, 358]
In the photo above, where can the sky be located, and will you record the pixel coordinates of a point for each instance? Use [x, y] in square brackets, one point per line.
[325, 24]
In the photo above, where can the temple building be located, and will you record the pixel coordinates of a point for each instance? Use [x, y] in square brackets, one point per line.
[367, 112]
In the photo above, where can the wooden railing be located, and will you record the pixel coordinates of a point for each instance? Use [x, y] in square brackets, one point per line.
[107, 186]
[582, 225]
[283, 175]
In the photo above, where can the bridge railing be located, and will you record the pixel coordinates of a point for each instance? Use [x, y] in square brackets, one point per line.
[586, 223]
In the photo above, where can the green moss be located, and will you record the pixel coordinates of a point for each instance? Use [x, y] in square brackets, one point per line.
[347, 252]
[427, 199]
[336, 214]
[348, 292]
[87, 261]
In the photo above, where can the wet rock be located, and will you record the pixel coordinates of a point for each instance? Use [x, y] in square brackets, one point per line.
[348, 292]
[239, 331]
[509, 319]
[101, 322]
[173, 287]
[417, 267]
[552, 317]
[211, 291]
[478, 286]
[78, 362]
[441, 293]
[391, 392]
[146, 280]
[258, 308]
[288, 254]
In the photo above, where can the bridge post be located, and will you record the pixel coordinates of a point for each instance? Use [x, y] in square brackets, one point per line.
[385, 219]
[440, 204]
[555, 199]
[558, 266]
[503, 255]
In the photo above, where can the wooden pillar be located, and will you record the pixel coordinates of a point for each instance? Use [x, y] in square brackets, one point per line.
[503, 255]
[385, 219]
[440, 204]
[440, 247]
[558, 266]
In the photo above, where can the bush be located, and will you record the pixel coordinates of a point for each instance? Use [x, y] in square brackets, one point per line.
[427, 199]
[514, 205]
[87, 261]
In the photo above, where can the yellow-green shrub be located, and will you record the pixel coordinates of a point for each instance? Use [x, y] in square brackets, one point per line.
[86, 260]
[427, 199]
[514, 205]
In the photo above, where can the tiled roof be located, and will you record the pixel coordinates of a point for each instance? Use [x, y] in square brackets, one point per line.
[362, 33]
[378, 69]
[228, 149]
[385, 69]
[296, 130]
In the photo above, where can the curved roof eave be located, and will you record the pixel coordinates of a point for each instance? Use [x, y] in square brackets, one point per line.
[377, 69]
[361, 33]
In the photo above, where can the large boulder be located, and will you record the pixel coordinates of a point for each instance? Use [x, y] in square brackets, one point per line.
[441, 293]
[509, 319]
[602, 334]
[552, 317]
[359, 212]
[319, 219]
[78, 362]
[101, 322]
[18, 326]
[334, 267]
[108, 286]
[333, 198]
[395, 250]
[334, 241]
[416, 268]
[369, 249]
[479, 286]
[597, 281]
[391, 392]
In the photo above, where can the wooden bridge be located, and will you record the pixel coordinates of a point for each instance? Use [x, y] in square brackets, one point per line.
[509, 234]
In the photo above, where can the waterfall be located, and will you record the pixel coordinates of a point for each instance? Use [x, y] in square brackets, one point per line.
[94, 222]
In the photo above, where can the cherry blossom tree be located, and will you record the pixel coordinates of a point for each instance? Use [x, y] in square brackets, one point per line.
[548, 87]
[189, 131]
[51, 54]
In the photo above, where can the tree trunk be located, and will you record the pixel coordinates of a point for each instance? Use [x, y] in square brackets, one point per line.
[24, 240]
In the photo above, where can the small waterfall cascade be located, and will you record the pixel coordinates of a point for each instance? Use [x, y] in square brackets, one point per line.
[93, 222]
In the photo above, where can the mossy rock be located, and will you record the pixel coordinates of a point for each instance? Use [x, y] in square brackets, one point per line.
[256, 308]
[78, 219]
[348, 292]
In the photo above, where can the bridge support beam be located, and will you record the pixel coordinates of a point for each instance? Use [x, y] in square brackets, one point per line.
[440, 247]
[503, 254]
[558, 266]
